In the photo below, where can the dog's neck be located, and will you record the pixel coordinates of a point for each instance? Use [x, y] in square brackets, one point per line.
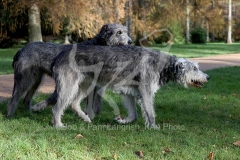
[172, 69]
[167, 73]
[98, 40]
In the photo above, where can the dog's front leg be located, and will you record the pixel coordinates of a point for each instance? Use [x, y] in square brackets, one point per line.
[130, 105]
[94, 102]
[45, 103]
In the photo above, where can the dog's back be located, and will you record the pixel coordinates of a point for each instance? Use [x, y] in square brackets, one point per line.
[37, 54]
[125, 58]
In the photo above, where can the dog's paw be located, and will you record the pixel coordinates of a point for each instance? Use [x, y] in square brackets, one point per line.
[38, 107]
[35, 108]
[59, 126]
[152, 126]
[87, 119]
[121, 120]
[117, 118]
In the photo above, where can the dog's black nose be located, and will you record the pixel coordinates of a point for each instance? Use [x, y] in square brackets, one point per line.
[208, 77]
[129, 42]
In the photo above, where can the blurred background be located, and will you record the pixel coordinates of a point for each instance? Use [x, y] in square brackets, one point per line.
[66, 21]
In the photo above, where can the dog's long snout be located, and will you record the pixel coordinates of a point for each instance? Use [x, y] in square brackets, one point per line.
[129, 41]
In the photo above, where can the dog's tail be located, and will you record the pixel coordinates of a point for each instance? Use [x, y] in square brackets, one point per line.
[16, 57]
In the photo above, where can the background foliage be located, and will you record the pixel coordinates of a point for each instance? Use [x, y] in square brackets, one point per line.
[198, 35]
[84, 18]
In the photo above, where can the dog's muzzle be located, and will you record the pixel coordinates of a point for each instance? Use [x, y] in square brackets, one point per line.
[198, 83]
[129, 42]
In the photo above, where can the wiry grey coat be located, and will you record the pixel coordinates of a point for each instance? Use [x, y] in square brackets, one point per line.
[34, 60]
[135, 72]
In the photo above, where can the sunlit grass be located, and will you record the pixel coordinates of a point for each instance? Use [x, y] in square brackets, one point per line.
[6, 57]
[198, 50]
[193, 122]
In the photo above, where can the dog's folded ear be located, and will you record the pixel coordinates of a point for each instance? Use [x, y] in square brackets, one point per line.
[173, 60]
[104, 29]
[103, 34]
[180, 65]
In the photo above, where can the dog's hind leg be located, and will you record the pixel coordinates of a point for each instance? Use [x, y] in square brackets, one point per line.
[97, 100]
[89, 105]
[22, 83]
[67, 88]
[52, 100]
[94, 102]
[146, 104]
[13, 102]
[60, 106]
[77, 108]
[130, 105]
[28, 98]
[57, 112]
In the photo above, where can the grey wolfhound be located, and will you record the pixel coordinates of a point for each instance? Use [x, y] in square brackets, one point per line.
[33, 61]
[135, 72]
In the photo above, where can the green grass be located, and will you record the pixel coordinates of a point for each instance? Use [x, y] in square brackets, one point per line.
[6, 57]
[199, 50]
[180, 50]
[193, 122]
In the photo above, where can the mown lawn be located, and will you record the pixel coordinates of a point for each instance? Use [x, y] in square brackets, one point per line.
[6, 58]
[193, 122]
[180, 50]
[198, 50]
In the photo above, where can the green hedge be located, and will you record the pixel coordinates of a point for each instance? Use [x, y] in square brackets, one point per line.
[198, 35]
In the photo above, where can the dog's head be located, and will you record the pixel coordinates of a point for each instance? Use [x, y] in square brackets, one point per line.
[114, 35]
[188, 74]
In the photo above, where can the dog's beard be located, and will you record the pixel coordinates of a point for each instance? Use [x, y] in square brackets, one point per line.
[120, 42]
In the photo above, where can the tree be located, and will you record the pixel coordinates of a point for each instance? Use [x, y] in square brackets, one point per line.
[129, 16]
[34, 27]
[53, 11]
[229, 35]
[187, 23]
[140, 20]
[85, 17]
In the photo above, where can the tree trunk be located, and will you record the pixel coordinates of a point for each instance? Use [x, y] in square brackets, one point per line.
[207, 38]
[203, 22]
[187, 23]
[34, 27]
[116, 8]
[141, 16]
[129, 16]
[213, 4]
[67, 40]
[229, 36]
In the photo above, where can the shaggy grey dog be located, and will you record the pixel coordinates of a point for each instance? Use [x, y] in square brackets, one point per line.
[135, 72]
[33, 61]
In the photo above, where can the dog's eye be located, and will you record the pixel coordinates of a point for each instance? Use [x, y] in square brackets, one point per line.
[119, 32]
[180, 66]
